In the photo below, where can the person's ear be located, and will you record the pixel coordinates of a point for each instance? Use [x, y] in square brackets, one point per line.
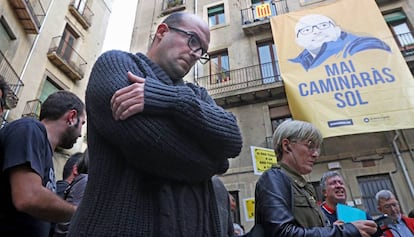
[286, 146]
[72, 116]
[161, 29]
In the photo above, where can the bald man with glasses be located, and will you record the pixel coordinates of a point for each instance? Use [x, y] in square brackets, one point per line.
[155, 141]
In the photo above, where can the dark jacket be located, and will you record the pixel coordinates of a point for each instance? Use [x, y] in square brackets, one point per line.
[284, 206]
[73, 194]
[150, 175]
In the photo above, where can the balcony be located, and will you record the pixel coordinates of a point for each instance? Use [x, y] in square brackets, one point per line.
[256, 18]
[32, 108]
[245, 85]
[81, 11]
[170, 6]
[30, 13]
[384, 2]
[406, 43]
[12, 79]
[63, 56]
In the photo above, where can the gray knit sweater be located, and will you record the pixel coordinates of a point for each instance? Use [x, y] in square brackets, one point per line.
[150, 175]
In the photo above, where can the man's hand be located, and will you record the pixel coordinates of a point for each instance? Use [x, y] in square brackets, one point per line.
[366, 228]
[128, 100]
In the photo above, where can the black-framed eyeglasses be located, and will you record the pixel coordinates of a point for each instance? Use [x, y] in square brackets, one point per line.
[309, 29]
[194, 44]
[312, 147]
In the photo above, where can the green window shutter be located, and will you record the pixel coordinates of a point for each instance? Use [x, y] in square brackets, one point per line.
[48, 89]
[395, 16]
[216, 10]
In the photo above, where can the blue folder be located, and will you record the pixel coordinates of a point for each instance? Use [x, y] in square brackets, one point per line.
[349, 214]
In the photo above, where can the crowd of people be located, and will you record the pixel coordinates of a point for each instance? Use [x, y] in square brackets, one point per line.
[155, 147]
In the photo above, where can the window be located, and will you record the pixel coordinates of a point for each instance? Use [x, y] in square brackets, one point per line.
[49, 87]
[66, 44]
[277, 121]
[219, 67]
[6, 35]
[278, 115]
[369, 186]
[268, 62]
[216, 15]
[173, 3]
[411, 66]
[80, 5]
[402, 30]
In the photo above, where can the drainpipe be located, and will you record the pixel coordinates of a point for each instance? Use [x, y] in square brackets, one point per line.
[400, 160]
[196, 65]
[29, 56]
[407, 144]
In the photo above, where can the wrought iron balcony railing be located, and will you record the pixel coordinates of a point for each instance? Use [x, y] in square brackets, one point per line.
[261, 12]
[170, 6]
[406, 43]
[32, 108]
[62, 54]
[12, 79]
[31, 13]
[81, 11]
[237, 79]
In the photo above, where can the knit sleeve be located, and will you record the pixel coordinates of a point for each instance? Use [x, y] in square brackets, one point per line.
[195, 112]
[151, 142]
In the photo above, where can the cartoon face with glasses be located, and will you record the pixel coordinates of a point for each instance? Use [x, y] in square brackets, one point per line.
[321, 39]
[312, 31]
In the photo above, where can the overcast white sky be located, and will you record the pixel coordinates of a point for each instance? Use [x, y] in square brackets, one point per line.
[118, 34]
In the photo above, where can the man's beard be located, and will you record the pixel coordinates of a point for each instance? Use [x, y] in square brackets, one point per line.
[69, 138]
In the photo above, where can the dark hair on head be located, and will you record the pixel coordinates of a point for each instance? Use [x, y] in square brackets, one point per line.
[4, 87]
[58, 103]
[72, 161]
[83, 163]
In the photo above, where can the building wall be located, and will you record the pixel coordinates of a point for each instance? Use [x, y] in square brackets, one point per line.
[358, 156]
[28, 55]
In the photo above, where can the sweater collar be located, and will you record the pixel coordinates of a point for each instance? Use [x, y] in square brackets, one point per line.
[327, 208]
[160, 74]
